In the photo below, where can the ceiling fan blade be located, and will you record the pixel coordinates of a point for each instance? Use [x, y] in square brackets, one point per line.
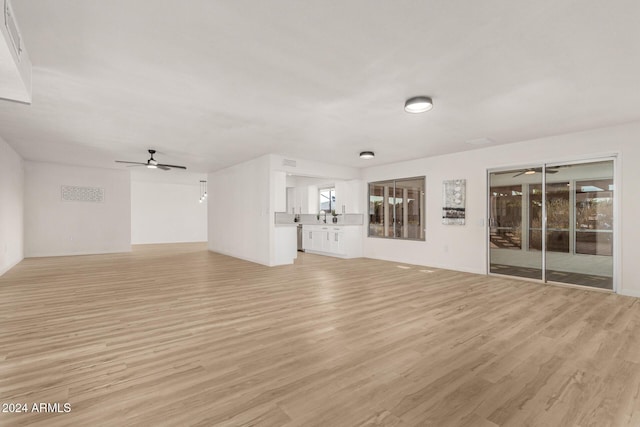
[552, 171]
[152, 162]
[132, 163]
[136, 166]
[172, 166]
[519, 173]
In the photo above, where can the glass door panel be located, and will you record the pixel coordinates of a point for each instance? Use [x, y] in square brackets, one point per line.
[535, 217]
[594, 217]
[558, 215]
[586, 209]
[510, 224]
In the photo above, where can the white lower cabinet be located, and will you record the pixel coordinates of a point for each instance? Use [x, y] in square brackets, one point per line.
[342, 241]
[306, 238]
[336, 242]
[319, 240]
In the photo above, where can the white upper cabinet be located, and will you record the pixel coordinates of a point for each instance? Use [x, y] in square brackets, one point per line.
[349, 195]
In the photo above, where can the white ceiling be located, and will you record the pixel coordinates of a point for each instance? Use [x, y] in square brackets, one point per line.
[213, 83]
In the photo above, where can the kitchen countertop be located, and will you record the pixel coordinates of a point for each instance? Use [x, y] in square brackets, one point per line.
[295, 224]
[282, 218]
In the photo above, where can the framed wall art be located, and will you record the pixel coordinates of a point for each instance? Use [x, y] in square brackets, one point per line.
[453, 201]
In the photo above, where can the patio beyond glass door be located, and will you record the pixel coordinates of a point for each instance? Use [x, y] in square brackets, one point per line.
[580, 224]
[513, 235]
[553, 223]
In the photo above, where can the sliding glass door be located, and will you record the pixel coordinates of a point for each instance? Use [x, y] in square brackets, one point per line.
[553, 223]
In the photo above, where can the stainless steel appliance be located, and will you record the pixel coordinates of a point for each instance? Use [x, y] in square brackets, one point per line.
[300, 238]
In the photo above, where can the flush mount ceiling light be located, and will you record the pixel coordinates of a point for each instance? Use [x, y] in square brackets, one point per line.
[367, 155]
[418, 104]
[530, 172]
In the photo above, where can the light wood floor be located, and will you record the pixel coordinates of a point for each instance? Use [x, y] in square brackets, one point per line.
[176, 335]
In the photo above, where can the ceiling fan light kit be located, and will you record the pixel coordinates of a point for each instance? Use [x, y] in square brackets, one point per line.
[152, 163]
[533, 171]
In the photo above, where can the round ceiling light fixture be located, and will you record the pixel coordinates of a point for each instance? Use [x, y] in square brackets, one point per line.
[418, 104]
[367, 155]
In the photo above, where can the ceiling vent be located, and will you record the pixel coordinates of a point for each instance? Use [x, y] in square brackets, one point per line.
[480, 141]
[287, 162]
[15, 66]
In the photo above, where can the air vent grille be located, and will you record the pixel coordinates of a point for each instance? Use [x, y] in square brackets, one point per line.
[12, 28]
[82, 194]
[287, 162]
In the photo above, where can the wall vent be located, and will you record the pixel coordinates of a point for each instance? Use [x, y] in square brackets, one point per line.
[82, 194]
[12, 29]
[287, 162]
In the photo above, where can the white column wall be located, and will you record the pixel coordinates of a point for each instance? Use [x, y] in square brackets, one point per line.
[239, 222]
[11, 207]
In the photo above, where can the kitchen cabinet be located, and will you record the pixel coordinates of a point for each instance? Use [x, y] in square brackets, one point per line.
[306, 238]
[341, 241]
[349, 196]
[336, 241]
[302, 200]
[320, 240]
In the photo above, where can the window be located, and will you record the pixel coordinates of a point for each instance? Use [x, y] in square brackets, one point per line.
[396, 209]
[327, 201]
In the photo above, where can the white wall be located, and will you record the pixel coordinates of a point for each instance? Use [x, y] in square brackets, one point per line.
[309, 168]
[464, 247]
[239, 217]
[11, 207]
[54, 227]
[165, 207]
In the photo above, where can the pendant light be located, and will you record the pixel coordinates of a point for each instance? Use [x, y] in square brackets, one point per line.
[203, 191]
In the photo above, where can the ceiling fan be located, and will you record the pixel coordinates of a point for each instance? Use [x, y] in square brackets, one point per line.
[152, 163]
[531, 171]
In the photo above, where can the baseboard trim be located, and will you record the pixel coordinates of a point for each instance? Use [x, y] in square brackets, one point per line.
[239, 257]
[5, 269]
[629, 293]
[46, 255]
